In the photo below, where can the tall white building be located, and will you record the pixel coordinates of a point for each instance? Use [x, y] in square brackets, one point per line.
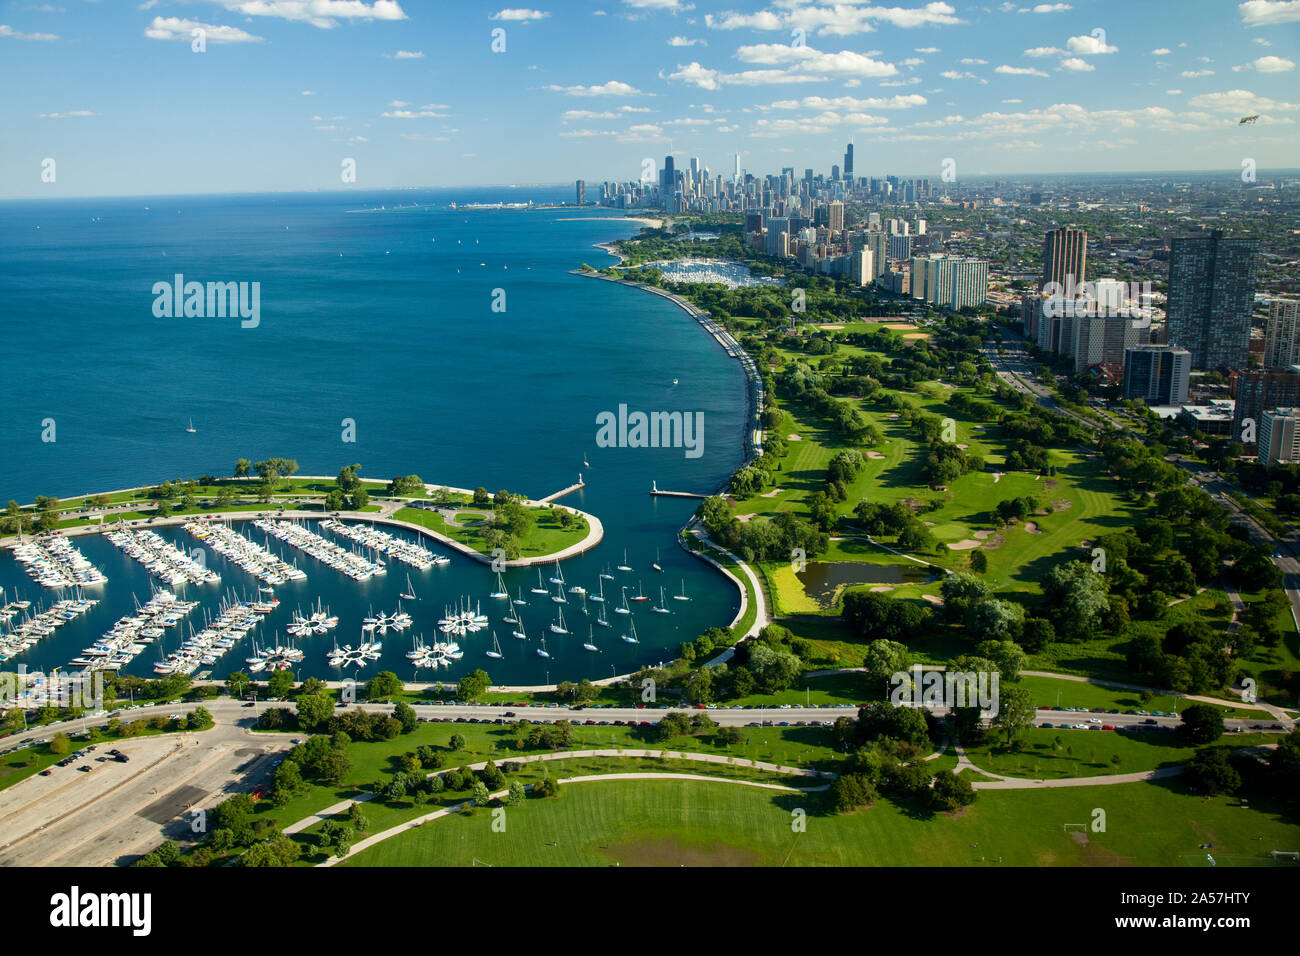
[1279, 436]
[1282, 333]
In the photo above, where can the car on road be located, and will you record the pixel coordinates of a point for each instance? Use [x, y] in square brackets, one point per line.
[86, 768]
[1150, 720]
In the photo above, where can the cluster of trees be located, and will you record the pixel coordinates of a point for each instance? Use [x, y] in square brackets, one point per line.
[879, 519]
[761, 539]
[351, 492]
[880, 616]
[679, 723]
[1221, 770]
[798, 382]
[406, 486]
[336, 836]
[1013, 509]
[511, 523]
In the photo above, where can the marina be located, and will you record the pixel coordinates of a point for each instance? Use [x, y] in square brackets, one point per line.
[166, 562]
[52, 561]
[407, 552]
[301, 537]
[256, 560]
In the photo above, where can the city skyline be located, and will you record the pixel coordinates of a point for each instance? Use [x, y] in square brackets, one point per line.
[283, 93]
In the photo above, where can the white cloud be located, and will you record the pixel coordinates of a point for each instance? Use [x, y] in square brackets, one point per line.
[1272, 64]
[1019, 71]
[835, 19]
[612, 88]
[857, 104]
[308, 92]
[927, 49]
[1161, 51]
[787, 64]
[68, 115]
[570, 115]
[673, 5]
[1173, 92]
[974, 61]
[1192, 74]
[399, 103]
[1241, 102]
[176, 28]
[1263, 13]
[1048, 8]
[405, 55]
[683, 41]
[1087, 45]
[323, 14]
[1044, 51]
[1077, 64]
[762, 20]
[523, 15]
[428, 111]
[1011, 101]
[11, 33]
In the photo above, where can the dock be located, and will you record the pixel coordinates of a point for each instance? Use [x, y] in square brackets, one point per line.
[656, 490]
[563, 491]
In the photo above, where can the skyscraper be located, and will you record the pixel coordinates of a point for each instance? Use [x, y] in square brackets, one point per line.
[1282, 333]
[736, 174]
[1157, 374]
[1279, 436]
[1211, 293]
[668, 187]
[582, 193]
[835, 216]
[848, 163]
[1065, 257]
[1255, 390]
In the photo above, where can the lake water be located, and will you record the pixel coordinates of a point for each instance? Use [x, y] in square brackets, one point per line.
[384, 317]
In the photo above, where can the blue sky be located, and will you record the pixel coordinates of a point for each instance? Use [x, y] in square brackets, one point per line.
[412, 90]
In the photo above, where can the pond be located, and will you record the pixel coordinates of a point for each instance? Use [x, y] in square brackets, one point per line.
[824, 581]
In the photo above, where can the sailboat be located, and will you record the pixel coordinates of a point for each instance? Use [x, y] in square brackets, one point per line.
[558, 627]
[541, 588]
[520, 600]
[606, 575]
[495, 653]
[521, 633]
[624, 609]
[409, 593]
[632, 638]
[599, 598]
[190, 428]
[682, 596]
[656, 565]
[558, 597]
[639, 596]
[601, 620]
[501, 591]
[585, 463]
[662, 606]
[558, 577]
[624, 566]
[591, 641]
[542, 651]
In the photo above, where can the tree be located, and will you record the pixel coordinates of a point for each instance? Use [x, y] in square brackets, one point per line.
[280, 684]
[237, 683]
[1202, 723]
[472, 685]
[480, 794]
[383, 685]
[1016, 713]
[1078, 598]
[404, 713]
[885, 658]
[979, 562]
[242, 467]
[774, 670]
[952, 791]
[287, 783]
[60, 744]
[851, 791]
[516, 796]
[360, 498]
[200, 718]
[457, 742]
[481, 497]
[1211, 772]
[314, 710]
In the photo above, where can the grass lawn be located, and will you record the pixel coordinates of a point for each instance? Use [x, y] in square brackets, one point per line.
[547, 536]
[1089, 753]
[670, 823]
[1054, 692]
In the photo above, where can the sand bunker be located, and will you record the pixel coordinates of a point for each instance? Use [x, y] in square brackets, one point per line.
[964, 545]
[771, 494]
[794, 438]
[874, 454]
[932, 598]
[963, 447]
[997, 475]
[881, 587]
[829, 327]
[983, 534]
[1032, 528]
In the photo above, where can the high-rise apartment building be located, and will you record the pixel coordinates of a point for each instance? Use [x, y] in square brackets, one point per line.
[1279, 436]
[1282, 333]
[1157, 374]
[900, 247]
[1211, 294]
[1065, 257]
[950, 282]
[582, 193]
[835, 216]
[1255, 390]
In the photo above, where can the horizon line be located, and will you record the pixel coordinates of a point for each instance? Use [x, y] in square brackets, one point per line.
[1232, 172]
